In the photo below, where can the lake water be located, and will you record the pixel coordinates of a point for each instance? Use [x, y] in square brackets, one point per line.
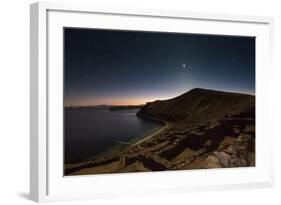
[91, 132]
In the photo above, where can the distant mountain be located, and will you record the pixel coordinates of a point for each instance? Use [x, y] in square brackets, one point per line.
[109, 107]
[199, 104]
[102, 106]
[124, 107]
[89, 107]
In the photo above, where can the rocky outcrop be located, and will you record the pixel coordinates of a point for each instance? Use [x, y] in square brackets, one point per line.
[233, 154]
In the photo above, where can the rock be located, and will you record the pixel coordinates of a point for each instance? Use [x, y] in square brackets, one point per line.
[213, 159]
[213, 162]
[231, 149]
[223, 158]
[249, 129]
[208, 143]
[251, 159]
[236, 162]
[236, 129]
[243, 154]
[244, 138]
[227, 141]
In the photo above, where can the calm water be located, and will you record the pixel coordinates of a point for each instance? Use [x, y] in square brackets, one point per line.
[90, 132]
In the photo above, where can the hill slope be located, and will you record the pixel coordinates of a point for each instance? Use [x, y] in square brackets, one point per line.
[199, 104]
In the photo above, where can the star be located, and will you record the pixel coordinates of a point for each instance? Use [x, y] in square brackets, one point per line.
[183, 65]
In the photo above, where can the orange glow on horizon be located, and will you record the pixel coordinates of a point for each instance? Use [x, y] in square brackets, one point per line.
[119, 101]
[90, 102]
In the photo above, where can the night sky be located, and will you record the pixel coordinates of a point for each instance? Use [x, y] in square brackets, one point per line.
[130, 68]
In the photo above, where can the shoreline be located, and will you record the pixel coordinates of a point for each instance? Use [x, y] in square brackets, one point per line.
[116, 152]
[116, 149]
[151, 135]
[156, 132]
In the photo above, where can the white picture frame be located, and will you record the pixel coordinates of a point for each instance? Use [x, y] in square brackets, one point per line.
[47, 182]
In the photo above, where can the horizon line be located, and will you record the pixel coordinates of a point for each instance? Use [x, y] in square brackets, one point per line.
[107, 104]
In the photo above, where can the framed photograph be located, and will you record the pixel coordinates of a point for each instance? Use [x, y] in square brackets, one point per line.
[128, 101]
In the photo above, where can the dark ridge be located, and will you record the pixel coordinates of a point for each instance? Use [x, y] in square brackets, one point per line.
[204, 90]
[198, 104]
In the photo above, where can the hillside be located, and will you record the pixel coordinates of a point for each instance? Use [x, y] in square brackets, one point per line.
[199, 104]
[203, 129]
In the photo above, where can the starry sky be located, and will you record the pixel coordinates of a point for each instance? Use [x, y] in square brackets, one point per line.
[116, 67]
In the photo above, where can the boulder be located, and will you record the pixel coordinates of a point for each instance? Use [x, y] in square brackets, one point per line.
[213, 162]
[223, 158]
